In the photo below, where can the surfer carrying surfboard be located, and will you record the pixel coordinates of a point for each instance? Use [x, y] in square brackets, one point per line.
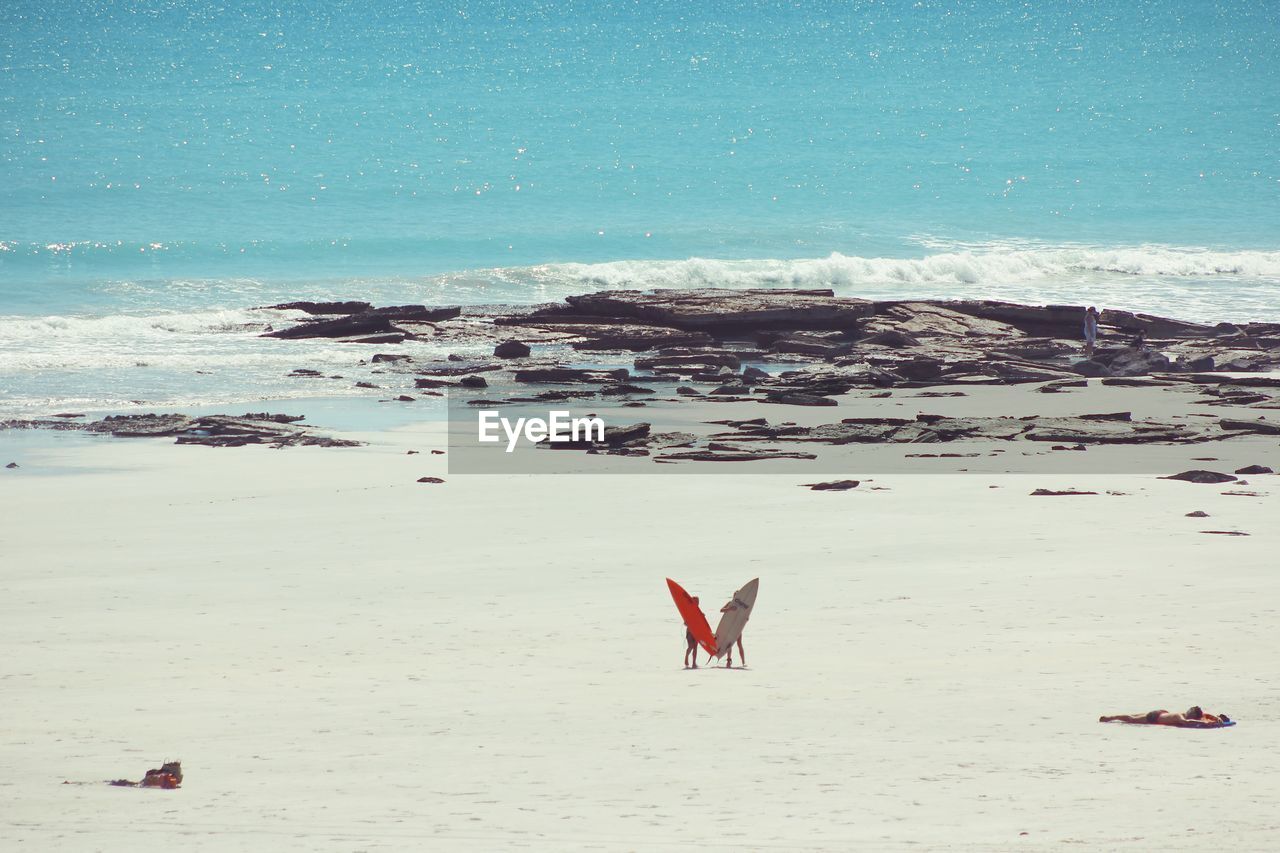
[734, 605]
[697, 631]
[691, 645]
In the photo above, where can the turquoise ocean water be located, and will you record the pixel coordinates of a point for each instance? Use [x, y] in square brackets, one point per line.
[166, 167]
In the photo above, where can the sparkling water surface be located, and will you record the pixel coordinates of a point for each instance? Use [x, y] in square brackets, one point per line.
[166, 167]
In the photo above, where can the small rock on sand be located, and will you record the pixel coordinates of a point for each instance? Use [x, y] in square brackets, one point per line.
[430, 480]
[833, 486]
[1051, 493]
[1255, 469]
[1198, 514]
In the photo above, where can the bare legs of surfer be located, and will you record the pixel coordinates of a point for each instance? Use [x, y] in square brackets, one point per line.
[741, 654]
[692, 648]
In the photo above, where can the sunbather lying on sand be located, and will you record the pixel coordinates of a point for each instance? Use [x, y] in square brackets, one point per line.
[1192, 718]
[168, 776]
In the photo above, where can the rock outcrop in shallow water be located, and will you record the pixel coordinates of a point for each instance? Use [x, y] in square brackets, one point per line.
[803, 348]
[711, 311]
[832, 344]
[360, 322]
[1105, 428]
[209, 430]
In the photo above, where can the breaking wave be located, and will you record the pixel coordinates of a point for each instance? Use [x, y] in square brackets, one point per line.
[992, 266]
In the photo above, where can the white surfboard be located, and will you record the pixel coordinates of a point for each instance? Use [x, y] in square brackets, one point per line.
[734, 619]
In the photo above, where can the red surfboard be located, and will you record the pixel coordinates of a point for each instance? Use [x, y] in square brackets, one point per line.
[693, 617]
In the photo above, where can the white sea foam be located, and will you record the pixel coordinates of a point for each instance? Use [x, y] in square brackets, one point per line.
[979, 266]
[1193, 284]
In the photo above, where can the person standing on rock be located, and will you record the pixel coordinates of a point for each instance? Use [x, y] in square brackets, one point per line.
[1090, 330]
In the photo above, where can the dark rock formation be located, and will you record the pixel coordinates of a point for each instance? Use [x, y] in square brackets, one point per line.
[459, 370]
[511, 349]
[1083, 430]
[217, 430]
[1139, 362]
[620, 435]
[723, 310]
[797, 399]
[614, 437]
[323, 307]
[626, 337]
[416, 313]
[687, 363]
[833, 486]
[890, 338]
[396, 337]
[624, 388]
[344, 327]
[1132, 382]
[1258, 426]
[1090, 368]
[803, 344]
[364, 324]
[1150, 325]
[1204, 362]
[570, 374]
[711, 310]
[1199, 476]
[731, 456]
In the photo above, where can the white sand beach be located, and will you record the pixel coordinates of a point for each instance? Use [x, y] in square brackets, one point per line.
[346, 659]
[955, 325]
